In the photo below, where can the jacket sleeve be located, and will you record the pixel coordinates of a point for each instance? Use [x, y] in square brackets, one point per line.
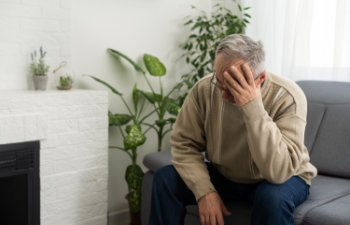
[277, 145]
[187, 144]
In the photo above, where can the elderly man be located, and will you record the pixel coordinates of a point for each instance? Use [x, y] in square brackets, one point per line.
[250, 124]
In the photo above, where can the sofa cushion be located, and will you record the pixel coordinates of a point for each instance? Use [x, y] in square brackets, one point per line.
[328, 140]
[331, 149]
[315, 113]
[324, 189]
[333, 212]
[326, 91]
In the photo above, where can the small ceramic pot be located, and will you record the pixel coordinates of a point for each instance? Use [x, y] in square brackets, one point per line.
[40, 82]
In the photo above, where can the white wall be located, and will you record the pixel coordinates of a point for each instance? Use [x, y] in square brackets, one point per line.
[133, 27]
[24, 26]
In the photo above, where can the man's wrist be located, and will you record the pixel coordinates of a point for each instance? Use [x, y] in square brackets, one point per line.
[202, 188]
[253, 110]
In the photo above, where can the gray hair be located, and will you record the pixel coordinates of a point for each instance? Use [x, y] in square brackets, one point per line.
[239, 46]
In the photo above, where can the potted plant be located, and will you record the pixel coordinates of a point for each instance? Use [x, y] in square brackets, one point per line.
[130, 124]
[165, 107]
[65, 83]
[206, 32]
[130, 128]
[39, 69]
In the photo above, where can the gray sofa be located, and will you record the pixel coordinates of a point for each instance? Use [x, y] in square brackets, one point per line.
[327, 138]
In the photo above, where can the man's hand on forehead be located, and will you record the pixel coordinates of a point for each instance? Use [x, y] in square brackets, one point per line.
[239, 81]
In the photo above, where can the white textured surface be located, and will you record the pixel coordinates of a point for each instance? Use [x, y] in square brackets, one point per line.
[72, 127]
[25, 26]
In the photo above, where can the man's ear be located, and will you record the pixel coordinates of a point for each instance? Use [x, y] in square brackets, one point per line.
[261, 79]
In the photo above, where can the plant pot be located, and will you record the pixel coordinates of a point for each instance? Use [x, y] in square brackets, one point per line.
[40, 82]
[64, 87]
[135, 217]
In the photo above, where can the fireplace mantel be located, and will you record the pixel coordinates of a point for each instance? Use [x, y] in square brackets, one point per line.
[72, 127]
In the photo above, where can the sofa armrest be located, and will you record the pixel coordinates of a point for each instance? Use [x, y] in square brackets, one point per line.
[156, 160]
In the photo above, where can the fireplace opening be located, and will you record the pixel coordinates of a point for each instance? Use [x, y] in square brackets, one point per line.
[19, 184]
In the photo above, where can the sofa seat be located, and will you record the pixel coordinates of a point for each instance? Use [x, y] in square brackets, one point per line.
[328, 202]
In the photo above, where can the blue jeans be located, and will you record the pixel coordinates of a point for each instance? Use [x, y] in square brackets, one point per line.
[273, 204]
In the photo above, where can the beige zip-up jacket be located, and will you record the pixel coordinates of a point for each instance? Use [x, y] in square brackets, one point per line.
[262, 140]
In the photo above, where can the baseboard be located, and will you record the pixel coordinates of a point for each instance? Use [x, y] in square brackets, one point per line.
[119, 218]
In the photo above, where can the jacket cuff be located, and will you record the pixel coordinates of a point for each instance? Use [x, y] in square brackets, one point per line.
[253, 110]
[201, 188]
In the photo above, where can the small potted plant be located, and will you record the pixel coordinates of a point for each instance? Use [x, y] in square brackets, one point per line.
[39, 69]
[63, 76]
[65, 83]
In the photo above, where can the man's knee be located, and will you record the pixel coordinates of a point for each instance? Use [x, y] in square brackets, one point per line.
[164, 175]
[271, 197]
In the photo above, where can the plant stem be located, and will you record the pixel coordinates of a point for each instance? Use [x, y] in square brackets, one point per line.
[151, 125]
[141, 109]
[121, 131]
[149, 84]
[165, 132]
[126, 105]
[149, 114]
[160, 138]
[116, 147]
[147, 130]
[134, 155]
[161, 86]
[122, 149]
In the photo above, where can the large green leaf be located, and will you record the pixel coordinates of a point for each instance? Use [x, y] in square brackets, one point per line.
[172, 107]
[171, 120]
[134, 139]
[128, 128]
[153, 65]
[135, 97]
[152, 98]
[119, 54]
[134, 176]
[106, 84]
[118, 119]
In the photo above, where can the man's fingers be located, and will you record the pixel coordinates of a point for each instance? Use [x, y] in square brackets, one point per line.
[238, 76]
[220, 219]
[225, 211]
[213, 219]
[231, 83]
[248, 74]
[202, 219]
[207, 219]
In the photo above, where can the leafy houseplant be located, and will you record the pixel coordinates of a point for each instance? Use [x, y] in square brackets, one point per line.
[207, 30]
[162, 103]
[130, 124]
[39, 69]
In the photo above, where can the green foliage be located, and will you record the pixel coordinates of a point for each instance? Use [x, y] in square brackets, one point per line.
[119, 54]
[65, 81]
[38, 66]
[118, 119]
[161, 102]
[207, 30]
[133, 177]
[132, 140]
[153, 65]
[133, 137]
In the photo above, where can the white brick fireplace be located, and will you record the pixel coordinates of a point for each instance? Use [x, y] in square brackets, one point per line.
[72, 127]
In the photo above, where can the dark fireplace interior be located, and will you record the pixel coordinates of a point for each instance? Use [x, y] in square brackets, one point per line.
[19, 184]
